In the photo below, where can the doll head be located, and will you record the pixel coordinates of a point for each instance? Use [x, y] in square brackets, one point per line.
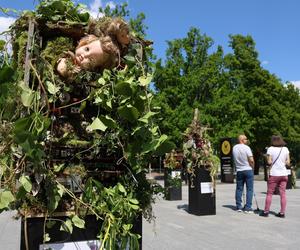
[94, 53]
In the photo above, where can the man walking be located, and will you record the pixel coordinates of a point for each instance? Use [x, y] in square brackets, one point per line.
[244, 163]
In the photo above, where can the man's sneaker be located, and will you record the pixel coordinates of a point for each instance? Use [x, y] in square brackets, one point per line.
[264, 214]
[248, 211]
[280, 215]
[239, 210]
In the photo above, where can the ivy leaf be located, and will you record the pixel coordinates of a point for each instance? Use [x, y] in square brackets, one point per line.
[123, 88]
[146, 117]
[133, 206]
[129, 59]
[6, 198]
[98, 100]
[154, 144]
[106, 74]
[121, 188]
[165, 147]
[127, 227]
[97, 124]
[26, 183]
[27, 97]
[52, 88]
[145, 81]
[108, 121]
[109, 104]
[6, 72]
[46, 237]
[78, 222]
[134, 201]
[161, 139]
[67, 226]
[58, 167]
[60, 190]
[22, 126]
[50, 223]
[128, 112]
[101, 81]
[84, 17]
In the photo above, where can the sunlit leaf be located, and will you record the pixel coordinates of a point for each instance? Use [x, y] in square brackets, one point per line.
[97, 124]
[101, 81]
[52, 88]
[145, 81]
[67, 226]
[78, 222]
[6, 198]
[26, 183]
[47, 237]
[121, 188]
[146, 117]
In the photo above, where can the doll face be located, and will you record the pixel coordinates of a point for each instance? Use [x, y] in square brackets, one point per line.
[90, 56]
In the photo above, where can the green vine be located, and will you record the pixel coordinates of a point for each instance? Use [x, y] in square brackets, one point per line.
[80, 145]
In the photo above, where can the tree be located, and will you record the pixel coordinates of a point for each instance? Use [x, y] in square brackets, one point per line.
[186, 81]
[262, 95]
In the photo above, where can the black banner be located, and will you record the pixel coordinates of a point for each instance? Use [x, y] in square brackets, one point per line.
[227, 171]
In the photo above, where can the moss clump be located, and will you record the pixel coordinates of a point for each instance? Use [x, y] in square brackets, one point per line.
[55, 49]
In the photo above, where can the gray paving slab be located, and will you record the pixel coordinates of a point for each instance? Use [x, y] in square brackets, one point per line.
[175, 229]
[10, 229]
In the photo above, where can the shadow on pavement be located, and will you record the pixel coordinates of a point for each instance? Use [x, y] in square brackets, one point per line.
[230, 206]
[184, 207]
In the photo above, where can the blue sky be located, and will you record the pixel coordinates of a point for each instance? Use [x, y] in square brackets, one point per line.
[273, 24]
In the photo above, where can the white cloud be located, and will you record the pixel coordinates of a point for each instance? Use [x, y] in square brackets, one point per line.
[296, 83]
[111, 4]
[265, 62]
[5, 22]
[94, 8]
[96, 4]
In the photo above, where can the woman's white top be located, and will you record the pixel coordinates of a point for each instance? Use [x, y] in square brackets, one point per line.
[278, 168]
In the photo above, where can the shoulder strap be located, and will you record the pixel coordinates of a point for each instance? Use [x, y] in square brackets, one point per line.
[277, 157]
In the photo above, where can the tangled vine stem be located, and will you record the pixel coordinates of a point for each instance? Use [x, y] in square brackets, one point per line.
[42, 86]
[71, 194]
[106, 233]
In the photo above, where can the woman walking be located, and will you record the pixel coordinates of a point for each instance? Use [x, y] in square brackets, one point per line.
[278, 157]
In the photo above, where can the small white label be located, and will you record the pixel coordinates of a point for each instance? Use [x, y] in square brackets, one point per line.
[82, 245]
[206, 187]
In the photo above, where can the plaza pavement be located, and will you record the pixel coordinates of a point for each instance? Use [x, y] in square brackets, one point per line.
[175, 229]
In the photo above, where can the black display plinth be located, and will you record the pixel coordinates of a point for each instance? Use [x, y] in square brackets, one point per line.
[202, 197]
[35, 231]
[173, 184]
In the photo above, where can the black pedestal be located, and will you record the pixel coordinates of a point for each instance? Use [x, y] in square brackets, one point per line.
[35, 232]
[173, 184]
[202, 199]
